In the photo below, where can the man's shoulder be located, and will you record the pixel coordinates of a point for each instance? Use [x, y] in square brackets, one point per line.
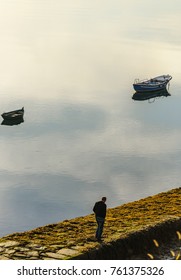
[97, 204]
[100, 204]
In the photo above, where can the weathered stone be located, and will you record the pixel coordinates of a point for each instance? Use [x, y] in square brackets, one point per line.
[32, 254]
[56, 247]
[9, 244]
[19, 255]
[55, 255]
[23, 249]
[4, 258]
[9, 251]
[79, 248]
[36, 246]
[42, 248]
[67, 252]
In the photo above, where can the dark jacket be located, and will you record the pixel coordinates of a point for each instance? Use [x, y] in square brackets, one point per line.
[100, 209]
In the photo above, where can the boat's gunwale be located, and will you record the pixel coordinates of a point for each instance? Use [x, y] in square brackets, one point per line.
[167, 78]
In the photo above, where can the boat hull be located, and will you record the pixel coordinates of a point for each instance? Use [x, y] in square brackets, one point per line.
[148, 88]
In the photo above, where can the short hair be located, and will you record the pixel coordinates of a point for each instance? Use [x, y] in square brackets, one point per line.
[104, 198]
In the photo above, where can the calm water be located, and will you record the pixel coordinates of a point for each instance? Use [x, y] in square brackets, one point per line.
[71, 64]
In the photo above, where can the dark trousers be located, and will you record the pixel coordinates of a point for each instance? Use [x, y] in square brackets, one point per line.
[100, 225]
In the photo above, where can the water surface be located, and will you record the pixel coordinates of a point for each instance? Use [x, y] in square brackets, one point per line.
[71, 64]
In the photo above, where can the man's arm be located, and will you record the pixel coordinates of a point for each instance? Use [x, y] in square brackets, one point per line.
[94, 208]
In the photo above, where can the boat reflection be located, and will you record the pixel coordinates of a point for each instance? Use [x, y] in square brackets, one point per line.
[141, 96]
[12, 122]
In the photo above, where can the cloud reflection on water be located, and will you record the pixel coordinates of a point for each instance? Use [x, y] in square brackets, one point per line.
[85, 142]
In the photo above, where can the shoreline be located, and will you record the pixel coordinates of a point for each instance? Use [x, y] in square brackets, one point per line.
[156, 217]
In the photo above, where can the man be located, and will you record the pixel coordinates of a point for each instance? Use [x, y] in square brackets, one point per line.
[99, 209]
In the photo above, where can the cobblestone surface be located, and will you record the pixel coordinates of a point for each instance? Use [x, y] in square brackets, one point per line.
[12, 250]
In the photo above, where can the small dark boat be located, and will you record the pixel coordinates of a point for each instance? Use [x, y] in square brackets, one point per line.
[13, 115]
[140, 96]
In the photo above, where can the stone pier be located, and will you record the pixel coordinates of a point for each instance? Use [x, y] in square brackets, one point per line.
[136, 230]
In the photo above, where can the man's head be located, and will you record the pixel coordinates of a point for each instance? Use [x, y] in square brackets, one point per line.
[104, 199]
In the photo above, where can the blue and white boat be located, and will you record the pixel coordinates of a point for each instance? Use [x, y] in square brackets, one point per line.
[154, 84]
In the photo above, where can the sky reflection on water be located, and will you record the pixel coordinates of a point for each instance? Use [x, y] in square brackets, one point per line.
[72, 67]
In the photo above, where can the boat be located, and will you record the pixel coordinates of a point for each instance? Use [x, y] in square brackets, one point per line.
[153, 84]
[141, 96]
[13, 115]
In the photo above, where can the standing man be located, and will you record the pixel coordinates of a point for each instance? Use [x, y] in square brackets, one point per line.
[99, 209]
